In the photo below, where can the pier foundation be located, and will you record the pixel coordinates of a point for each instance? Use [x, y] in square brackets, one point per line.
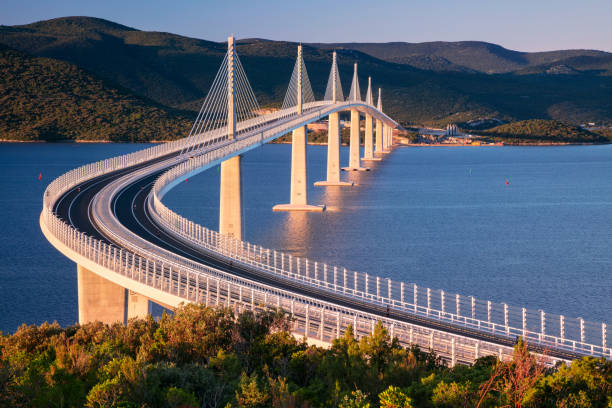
[299, 195]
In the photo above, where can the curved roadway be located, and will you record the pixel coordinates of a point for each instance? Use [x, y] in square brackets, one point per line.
[131, 210]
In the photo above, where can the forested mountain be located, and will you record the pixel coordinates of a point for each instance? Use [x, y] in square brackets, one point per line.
[47, 99]
[176, 72]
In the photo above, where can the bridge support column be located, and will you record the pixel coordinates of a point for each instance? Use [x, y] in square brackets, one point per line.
[386, 143]
[230, 206]
[299, 184]
[379, 137]
[368, 150]
[137, 306]
[354, 162]
[99, 299]
[333, 154]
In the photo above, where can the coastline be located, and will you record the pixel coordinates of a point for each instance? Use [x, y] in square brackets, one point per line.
[400, 144]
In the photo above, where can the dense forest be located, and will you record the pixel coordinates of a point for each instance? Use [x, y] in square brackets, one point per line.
[205, 357]
[543, 131]
[48, 99]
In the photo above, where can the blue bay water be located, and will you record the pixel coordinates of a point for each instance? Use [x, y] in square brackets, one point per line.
[440, 217]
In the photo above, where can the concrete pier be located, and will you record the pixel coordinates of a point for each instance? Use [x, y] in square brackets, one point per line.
[368, 151]
[385, 139]
[99, 299]
[299, 176]
[230, 205]
[333, 154]
[230, 201]
[299, 196]
[379, 137]
[138, 306]
[354, 161]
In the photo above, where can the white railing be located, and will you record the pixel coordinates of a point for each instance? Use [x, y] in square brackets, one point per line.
[313, 318]
[537, 327]
[196, 283]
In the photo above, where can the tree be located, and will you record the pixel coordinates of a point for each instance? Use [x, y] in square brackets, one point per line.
[393, 397]
[515, 379]
[453, 395]
[356, 399]
[250, 394]
[179, 398]
[585, 383]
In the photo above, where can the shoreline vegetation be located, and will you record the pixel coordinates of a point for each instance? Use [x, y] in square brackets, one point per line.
[535, 132]
[218, 358]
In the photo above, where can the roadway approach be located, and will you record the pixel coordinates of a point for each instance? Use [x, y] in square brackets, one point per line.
[129, 204]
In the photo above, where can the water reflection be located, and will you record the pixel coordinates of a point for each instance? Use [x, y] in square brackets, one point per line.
[297, 233]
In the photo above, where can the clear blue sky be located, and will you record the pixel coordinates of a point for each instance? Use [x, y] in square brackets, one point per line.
[526, 25]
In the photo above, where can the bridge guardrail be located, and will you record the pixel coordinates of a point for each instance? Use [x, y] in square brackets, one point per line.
[538, 327]
[312, 318]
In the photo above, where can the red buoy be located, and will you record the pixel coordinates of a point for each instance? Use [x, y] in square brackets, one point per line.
[507, 181]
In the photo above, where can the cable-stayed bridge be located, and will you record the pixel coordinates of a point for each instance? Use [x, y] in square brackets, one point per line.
[131, 249]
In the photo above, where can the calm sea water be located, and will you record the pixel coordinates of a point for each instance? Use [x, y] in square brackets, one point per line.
[440, 217]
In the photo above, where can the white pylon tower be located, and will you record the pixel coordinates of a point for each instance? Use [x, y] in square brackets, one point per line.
[354, 156]
[355, 94]
[230, 190]
[368, 148]
[369, 100]
[299, 93]
[231, 89]
[333, 91]
[229, 101]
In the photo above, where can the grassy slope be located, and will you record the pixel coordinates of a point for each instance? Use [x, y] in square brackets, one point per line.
[177, 71]
[46, 99]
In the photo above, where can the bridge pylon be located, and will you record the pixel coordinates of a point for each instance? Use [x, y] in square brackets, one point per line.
[368, 149]
[298, 93]
[354, 143]
[379, 129]
[333, 93]
[230, 191]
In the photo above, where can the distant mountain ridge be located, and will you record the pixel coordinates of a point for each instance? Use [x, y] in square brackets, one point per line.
[470, 56]
[436, 85]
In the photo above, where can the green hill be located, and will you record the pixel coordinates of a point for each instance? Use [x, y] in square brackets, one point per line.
[47, 99]
[177, 71]
[542, 131]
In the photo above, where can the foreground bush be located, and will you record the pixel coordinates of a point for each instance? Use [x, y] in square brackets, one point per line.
[204, 357]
